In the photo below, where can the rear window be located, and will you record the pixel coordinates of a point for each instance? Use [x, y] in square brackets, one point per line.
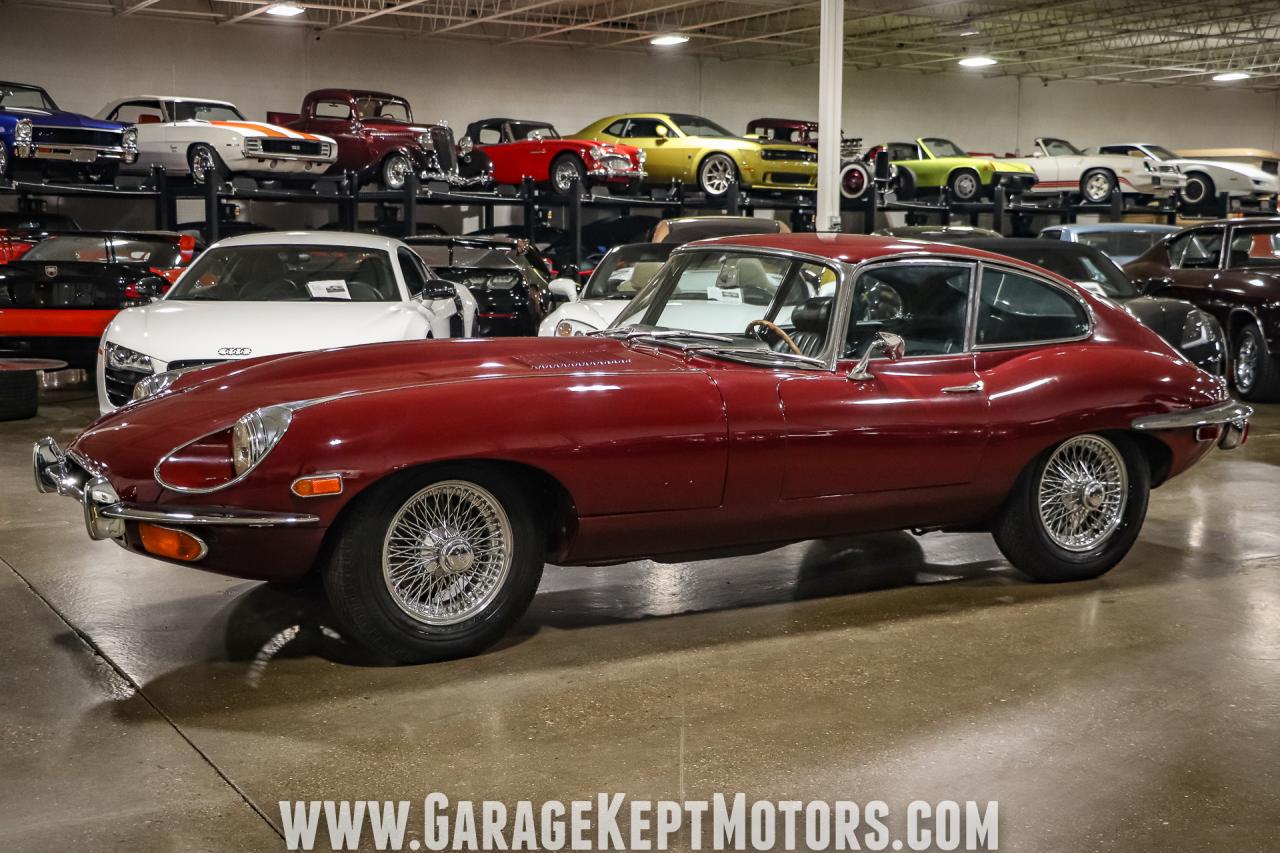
[77, 248]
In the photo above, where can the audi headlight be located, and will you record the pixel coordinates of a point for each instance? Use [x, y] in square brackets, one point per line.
[123, 358]
[255, 434]
[22, 132]
[424, 140]
[465, 145]
[1199, 328]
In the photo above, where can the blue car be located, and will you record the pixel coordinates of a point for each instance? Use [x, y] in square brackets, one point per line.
[38, 140]
[1121, 241]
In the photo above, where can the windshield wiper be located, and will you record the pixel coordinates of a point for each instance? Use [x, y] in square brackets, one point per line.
[756, 354]
[625, 334]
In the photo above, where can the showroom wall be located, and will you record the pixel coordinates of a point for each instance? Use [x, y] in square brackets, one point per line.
[264, 67]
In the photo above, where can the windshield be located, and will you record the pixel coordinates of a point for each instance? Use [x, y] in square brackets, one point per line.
[722, 292]
[1121, 244]
[289, 274]
[26, 97]
[1060, 148]
[1161, 153]
[193, 111]
[525, 129]
[944, 148]
[698, 126]
[81, 248]
[384, 109]
[1094, 270]
[626, 270]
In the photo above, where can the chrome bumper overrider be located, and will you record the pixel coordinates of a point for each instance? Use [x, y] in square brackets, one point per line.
[1232, 414]
[73, 476]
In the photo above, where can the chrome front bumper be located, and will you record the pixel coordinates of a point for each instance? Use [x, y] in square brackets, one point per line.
[609, 174]
[73, 153]
[1232, 415]
[71, 475]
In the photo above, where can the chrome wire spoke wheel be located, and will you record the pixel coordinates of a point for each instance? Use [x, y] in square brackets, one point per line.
[447, 553]
[717, 172]
[1083, 491]
[1246, 362]
[396, 172]
[565, 175]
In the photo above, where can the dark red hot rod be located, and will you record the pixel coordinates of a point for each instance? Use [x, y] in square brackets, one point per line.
[378, 139]
[762, 390]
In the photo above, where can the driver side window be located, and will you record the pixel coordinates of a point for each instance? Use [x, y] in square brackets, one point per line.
[927, 304]
[643, 128]
[1197, 250]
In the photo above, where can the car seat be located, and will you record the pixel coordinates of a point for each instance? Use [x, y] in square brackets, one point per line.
[811, 320]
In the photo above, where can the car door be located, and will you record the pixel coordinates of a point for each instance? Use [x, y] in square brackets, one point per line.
[668, 156]
[336, 118]
[917, 423]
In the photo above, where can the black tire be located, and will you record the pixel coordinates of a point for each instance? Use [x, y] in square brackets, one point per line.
[365, 606]
[564, 168]
[1253, 369]
[905, 185]
[1200, 194]
[1024, 540]
[204, 164]
[1097, 186]
[394, 171]
[715, 164]
[19, 394]
[856, 180]
[964, 185]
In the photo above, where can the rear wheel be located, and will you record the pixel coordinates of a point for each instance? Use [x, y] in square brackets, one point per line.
[855, 180]
[904, 184]
[1253, 369]
[1076, 510]
[437, 564]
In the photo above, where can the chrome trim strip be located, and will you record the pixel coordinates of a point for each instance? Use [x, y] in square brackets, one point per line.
[1228, 412]
[211, 516]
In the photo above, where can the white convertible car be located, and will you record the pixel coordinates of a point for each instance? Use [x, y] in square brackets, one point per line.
[1205, 178]
[200, 138]
[278, 292]
[615, 281]
[1062, 167]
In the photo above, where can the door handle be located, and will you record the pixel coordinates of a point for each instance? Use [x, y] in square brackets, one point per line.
[972, 388]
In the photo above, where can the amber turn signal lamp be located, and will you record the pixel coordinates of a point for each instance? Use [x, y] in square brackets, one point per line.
[174, 544]
[317, 486]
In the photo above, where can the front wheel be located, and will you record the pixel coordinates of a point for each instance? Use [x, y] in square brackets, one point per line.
[715, 174]
[1199, 193]
[566, 171]
[964, 185]
[1076, 510]
[395, 172]
[435, 565]
[1253, 369]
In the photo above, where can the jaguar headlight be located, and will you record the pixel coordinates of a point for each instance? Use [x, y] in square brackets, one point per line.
[1199, 328]
[255, 434]
[159, 383]
[123, 358]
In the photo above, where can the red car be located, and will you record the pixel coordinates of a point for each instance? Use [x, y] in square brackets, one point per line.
[534, 149]
[761, 390]
[793, 130]
[56, 300]
[378, 139]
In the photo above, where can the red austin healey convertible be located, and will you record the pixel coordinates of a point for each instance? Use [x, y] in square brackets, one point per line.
[762, 390]
[534, 149]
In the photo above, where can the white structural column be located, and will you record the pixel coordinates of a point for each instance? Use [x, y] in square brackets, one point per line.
[830, 94]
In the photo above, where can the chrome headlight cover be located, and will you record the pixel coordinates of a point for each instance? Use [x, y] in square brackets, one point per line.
[129, 141]
[465, 146]
[22, 132]
[255, 434]
[1199, 328]
[160, 382]
[424, 141]
[123, 358]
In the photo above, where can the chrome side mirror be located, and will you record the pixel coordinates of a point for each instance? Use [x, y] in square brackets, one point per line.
[888, 344]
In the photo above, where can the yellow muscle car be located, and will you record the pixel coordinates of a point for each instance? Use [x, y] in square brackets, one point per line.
[698, 152]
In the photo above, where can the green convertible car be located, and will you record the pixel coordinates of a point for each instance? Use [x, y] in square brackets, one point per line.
[931, 163]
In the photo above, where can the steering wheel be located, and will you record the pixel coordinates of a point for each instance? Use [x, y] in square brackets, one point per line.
[777, 330]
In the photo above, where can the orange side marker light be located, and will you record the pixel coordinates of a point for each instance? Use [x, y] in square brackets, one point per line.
[171, 543]
[317, 486]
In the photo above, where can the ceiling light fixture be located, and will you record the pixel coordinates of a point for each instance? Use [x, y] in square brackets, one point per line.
[1228, 76]
[669, 39]
[967, 33]
[287, 9]
[977, 61]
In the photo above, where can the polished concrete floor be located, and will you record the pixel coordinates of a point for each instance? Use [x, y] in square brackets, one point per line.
[145, 707]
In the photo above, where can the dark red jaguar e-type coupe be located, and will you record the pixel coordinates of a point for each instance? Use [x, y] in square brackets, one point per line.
[761, 390]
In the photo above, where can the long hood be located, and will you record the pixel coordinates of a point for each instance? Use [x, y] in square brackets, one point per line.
[173, 330]
[61, 118]
[212, 399]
